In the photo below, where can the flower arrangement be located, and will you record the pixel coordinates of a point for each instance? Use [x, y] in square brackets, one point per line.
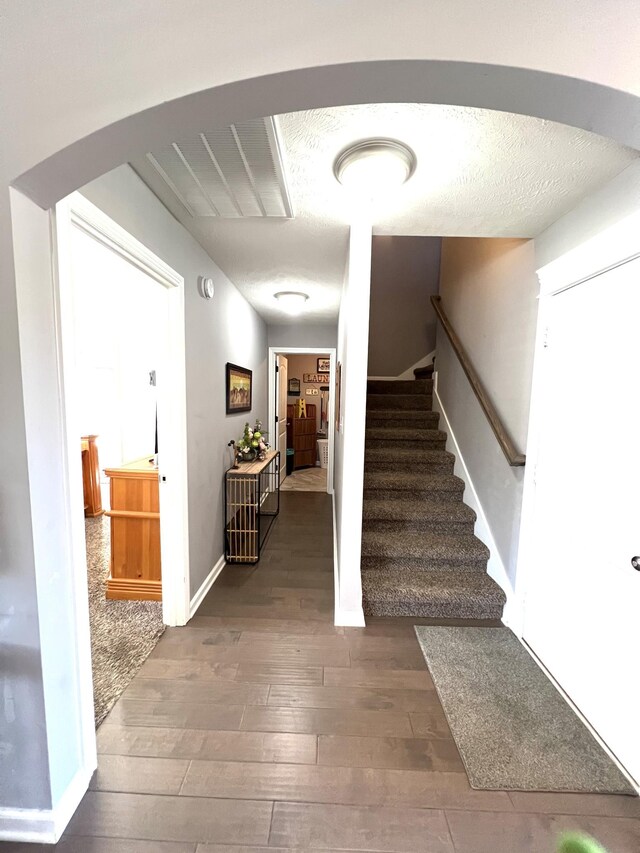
[253, 444]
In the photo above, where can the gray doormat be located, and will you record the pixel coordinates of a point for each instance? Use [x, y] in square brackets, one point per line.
[513, 729]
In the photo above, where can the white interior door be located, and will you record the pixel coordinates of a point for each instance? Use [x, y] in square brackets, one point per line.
[582, 603]
[281, 424]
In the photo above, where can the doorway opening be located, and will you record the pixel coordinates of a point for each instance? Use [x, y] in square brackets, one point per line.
[121, 334]
[301, 407]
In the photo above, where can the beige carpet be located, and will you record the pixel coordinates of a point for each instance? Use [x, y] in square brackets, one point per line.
[306, 480]
[123, 633]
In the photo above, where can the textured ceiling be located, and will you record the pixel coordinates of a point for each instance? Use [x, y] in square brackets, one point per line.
[480, 173]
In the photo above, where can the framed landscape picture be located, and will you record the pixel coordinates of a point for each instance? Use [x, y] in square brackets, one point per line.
[239, 389]
[324, 365]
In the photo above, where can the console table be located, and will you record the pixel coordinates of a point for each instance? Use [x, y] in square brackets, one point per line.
[135, 532]
[252, 501]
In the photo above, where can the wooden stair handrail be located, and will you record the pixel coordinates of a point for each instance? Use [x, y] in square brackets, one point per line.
[515, 459]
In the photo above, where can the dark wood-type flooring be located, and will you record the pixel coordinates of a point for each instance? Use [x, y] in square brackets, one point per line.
[262, 727]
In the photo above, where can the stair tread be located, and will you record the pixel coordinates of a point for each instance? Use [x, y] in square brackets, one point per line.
[402, 434]
[399, 401]
[400, 386]
[412, 590]
[398, 480]
[375, 508]
[425, 583]
[403, 414]
[464, 547]
[406, 454]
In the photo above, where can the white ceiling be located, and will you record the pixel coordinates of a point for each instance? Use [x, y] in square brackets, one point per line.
[480, 173]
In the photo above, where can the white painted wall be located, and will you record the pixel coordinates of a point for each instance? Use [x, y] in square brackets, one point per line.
[489, 292]
[353, 335]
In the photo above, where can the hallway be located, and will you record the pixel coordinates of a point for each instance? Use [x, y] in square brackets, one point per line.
[262, 727]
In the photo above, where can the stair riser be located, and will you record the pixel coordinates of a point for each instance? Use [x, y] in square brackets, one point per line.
[411, 420]
[390, 465]
[421, 564]
[398, 386]
[413, 402]
[417, 494]
[435, 610]
[402, 444]
[419, 525]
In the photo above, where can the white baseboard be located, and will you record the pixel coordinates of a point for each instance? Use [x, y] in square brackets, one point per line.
[425, 361]
[349, 618]
[336, 565]
[512, 616]
[45, 826]
[206, 585]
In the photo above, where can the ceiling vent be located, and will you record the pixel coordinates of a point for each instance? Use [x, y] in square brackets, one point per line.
[234, 172]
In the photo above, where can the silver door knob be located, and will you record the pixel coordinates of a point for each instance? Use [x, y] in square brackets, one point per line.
[635, 562]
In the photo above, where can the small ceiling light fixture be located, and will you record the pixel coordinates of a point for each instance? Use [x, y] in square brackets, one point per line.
[375, 165]
[291, 301]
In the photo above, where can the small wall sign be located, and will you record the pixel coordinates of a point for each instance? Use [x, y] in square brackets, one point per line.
[314, 378]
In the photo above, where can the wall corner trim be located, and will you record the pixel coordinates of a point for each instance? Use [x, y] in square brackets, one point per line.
[342, 618]
[206, 585]
[512, 616]
[45, 826]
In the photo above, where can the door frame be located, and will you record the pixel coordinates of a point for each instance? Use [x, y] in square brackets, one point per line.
[286, 351]
[611, 248]
[77, 212]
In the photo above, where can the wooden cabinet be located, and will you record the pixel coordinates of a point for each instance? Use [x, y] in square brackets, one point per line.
[91, 476]
[303, 436]
[135, 532]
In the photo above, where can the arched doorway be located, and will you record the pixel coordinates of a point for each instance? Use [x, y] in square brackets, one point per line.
[559, 98]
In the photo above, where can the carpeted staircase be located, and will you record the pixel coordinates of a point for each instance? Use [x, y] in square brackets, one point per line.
[419, 554]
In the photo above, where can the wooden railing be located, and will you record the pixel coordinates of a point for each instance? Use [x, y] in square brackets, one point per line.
[504, 440]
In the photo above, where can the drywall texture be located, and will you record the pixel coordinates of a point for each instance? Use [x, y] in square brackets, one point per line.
[405, 274]
[300, 335]
[489, 291]
[223, 329]
[603, 208]
[473, 165]
[300, 364]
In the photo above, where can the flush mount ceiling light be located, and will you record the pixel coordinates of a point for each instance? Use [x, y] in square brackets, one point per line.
[291, 301]
[375, 165]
